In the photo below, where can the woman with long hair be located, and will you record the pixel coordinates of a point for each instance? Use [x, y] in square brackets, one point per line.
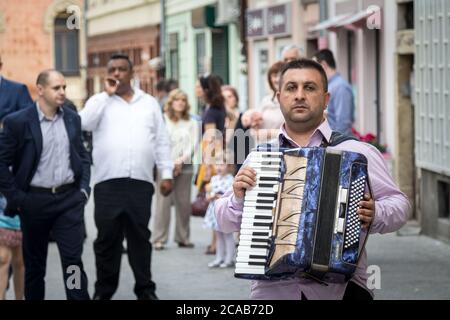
[183, 132]
[208, 89]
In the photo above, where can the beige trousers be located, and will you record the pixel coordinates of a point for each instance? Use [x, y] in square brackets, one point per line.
[181, 198]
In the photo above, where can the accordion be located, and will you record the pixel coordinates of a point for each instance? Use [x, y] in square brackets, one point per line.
[301, 217]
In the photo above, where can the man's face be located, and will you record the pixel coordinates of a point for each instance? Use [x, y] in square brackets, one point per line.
[119, 69]
[54, 92]
[291, 54]
[302, 97]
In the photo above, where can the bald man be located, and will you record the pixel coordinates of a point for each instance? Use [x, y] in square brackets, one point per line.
[48, 185]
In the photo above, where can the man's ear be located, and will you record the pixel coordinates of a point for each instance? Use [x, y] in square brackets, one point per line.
[278, 95]
[327, 99]
[40, 89]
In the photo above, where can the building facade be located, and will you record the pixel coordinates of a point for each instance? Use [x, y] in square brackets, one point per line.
[43, 35]
[129, 27]
[204, 36]
[271, 25]
[432, 114]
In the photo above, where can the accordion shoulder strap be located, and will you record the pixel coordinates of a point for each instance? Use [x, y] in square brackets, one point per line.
[337, 138]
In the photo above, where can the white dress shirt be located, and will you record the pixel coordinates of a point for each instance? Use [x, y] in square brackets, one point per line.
[128, 138]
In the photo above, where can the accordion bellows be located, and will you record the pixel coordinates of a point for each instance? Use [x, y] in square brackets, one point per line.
[314, 229]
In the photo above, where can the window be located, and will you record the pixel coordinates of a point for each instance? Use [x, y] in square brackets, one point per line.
[66, 47]
[201, 53]
[173, 55]
[137, 53]
[444, 199]
[152, 52]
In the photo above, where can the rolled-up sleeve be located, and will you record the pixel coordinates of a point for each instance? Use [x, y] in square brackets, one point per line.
[392, 207]
[228, 210]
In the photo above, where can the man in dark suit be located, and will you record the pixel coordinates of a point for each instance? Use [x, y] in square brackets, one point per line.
[14, 96]
[48, 185]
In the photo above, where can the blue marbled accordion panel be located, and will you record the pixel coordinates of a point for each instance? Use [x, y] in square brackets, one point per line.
[342, 262]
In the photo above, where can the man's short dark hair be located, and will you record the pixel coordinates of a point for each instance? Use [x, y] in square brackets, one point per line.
[42, 78]
[118, 56]
[327, 56]
[161, 85]
[305, 64]
[171, 84]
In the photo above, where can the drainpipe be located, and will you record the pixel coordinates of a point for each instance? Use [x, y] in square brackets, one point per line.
[377, 83]
[86, 38]
[162, 39]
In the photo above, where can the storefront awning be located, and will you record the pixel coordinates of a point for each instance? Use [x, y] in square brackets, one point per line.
[348, 21]
[328, 24]
[355, 21]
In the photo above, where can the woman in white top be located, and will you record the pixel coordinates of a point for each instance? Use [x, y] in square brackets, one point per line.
[183, 132]
[272, 118]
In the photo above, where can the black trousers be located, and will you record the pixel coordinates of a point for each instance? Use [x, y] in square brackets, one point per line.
[122, 208]
[61, 214]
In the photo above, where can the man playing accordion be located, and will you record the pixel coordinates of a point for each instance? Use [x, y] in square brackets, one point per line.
[303, 97]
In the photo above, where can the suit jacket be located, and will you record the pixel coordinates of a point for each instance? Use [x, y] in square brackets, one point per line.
[21, 148]
[14, 96]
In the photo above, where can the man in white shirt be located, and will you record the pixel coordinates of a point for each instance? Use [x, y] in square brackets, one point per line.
[129, 138]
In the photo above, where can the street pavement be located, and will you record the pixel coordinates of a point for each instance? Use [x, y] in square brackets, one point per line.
[411, 266]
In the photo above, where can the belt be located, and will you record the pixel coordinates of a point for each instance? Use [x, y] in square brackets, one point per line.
[53, 190]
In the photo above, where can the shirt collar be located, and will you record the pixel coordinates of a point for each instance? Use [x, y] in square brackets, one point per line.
[322, 132]
[334, 77]
[138, 93]
[42, 117]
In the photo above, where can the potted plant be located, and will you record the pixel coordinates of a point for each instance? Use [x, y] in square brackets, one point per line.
[370, 138]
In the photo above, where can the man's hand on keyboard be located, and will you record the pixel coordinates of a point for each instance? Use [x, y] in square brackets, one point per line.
[245, 179]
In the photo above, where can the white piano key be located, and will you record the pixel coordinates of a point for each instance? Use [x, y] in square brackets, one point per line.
[269, 167]
[265, 154]
[248, 249]
[254, 210]
[255, 232]
[265, 162]
[249, 266]
[253, 214]
[260, 172]
[250, 237]
[255, 220]
[256, 217]
[256, 197]
[241, 259]
[259, 205]
[248, 255]
[262, 154]
[255, 228]
[249, 271]
[255, 191]
[252, 243]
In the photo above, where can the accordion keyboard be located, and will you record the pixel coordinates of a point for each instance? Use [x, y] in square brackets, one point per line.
[257, 217]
